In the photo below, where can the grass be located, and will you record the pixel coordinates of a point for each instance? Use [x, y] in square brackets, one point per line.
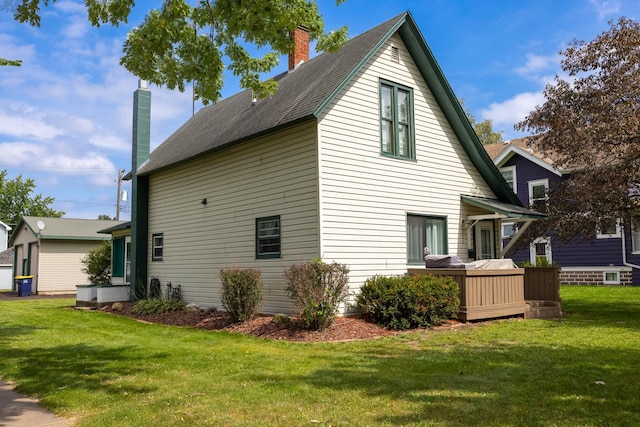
[102, 370]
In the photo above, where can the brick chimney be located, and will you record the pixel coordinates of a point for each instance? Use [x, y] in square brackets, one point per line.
[301, 50]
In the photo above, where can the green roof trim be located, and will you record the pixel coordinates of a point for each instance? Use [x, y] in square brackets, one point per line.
[453, 111]
[307, 92]
[361, 64]
[502, 208]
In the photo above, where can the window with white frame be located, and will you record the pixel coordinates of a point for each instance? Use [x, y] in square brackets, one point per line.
[425, 231]
[635, 235]
[538, 190]
[157, 247]
[540, 252]
[611, 277]
[509, 175]
[509, 229]
[609, 228]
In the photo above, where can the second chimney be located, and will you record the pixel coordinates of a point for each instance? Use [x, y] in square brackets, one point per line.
[301, 50]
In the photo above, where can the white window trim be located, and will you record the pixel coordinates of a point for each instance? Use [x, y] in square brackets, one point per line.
[615, 235]
[611, 282]
[536, 183]
[532, 250]
[515, 181]
[634, 225]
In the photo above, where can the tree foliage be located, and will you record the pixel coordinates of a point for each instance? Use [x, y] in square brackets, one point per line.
[484, 129]
[17, 200]
[589, 125]
[179, 43]
[10, 63]
[97, 264]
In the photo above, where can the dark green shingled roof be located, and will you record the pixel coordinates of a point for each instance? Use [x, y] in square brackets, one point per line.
[305, 93]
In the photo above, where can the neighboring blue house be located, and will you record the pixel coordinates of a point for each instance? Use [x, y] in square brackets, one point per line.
[612, 257]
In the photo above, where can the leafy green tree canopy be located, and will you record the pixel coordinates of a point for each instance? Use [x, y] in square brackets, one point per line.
[179, 43]
[589, 125]
[484, 129]
[17, 200]
[97, 264]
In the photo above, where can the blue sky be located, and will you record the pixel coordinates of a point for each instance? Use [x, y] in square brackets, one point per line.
[65, 115]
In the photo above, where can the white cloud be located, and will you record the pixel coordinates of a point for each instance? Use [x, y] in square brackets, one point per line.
[34, 127]
[77, 28]
[537, 64]
[109, 141]
[70, 6]
[512, 110]
[605, 8]
[96, 168]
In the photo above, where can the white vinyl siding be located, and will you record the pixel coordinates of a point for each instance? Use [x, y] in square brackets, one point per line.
[272, 176]
[366, 196]
[60, 265]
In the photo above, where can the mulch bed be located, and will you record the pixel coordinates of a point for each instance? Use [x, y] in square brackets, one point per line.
[264, 326]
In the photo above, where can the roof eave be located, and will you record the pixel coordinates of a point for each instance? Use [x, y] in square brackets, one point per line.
[453, 111]
[226, 146]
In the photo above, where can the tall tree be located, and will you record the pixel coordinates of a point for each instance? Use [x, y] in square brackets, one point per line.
[179, 43]
[483, 129]
[17, 200]
[590, 124]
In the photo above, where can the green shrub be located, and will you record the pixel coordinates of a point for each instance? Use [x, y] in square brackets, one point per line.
[97, 264]
[241, 292]
[403, 302]
[317, 289]
[158, 306]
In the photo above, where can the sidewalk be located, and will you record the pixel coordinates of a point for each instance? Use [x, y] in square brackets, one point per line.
[13, 296]
[18, 410]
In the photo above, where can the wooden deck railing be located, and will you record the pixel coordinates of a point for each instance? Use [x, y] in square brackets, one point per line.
[485, 294]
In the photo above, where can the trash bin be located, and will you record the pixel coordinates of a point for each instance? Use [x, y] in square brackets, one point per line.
[24, 285]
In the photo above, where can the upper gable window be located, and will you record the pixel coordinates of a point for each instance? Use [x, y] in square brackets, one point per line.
[396, 120]
[509, 175]
[538, 190]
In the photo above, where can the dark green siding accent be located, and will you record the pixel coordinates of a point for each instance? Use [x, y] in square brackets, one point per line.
[139, 237]
[117, 257]
[140, 193]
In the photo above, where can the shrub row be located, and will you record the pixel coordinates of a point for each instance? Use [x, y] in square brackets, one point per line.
[403, 302]
[318, 288]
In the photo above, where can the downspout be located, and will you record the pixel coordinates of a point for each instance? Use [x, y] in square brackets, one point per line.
[624, 252]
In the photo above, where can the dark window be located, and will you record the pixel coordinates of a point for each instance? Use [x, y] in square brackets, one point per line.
[268, 237]
[425, 231]
[117, 257]
[157, 247]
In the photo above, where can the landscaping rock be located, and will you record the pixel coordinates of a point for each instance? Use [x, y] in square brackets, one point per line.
[117, 306]
[193, 308]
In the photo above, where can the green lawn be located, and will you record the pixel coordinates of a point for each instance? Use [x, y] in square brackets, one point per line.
[582, 370]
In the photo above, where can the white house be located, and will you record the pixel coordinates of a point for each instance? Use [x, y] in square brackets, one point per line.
[51, 250]
[363, 156]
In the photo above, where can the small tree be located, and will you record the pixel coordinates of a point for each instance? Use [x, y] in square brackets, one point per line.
[241, 292]
[317, 289]
[97, 264]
